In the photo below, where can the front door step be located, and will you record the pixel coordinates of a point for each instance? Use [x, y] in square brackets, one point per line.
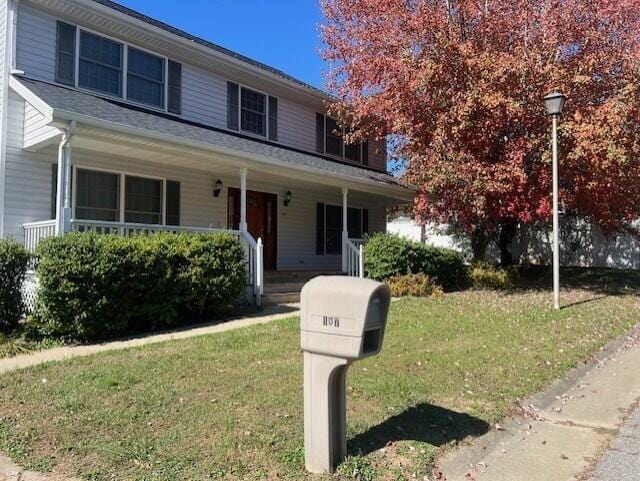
[283, 287]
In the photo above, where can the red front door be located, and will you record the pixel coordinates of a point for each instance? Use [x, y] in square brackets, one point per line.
[262, 220]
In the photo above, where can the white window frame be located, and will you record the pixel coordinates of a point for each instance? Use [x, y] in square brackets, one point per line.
[122, 175]
[266, 111]
[343, 156]
[125, 69]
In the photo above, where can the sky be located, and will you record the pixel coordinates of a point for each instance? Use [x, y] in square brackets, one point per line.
[280, 33]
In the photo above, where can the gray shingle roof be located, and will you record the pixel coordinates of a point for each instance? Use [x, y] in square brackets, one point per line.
[206, 43]
[74, 102]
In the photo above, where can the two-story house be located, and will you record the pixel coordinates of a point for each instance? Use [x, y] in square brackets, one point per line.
[114, 122]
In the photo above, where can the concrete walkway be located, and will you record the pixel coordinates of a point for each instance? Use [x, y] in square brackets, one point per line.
[563, 432]
[268, 314]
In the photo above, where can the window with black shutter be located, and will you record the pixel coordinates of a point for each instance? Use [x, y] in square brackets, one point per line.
[233, 106]
[54, 191]
[173, 202]
[329, 227]
[273, 118]
[175, 87]
[66, 54]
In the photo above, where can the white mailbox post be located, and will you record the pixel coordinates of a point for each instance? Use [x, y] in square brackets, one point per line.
[343, 319]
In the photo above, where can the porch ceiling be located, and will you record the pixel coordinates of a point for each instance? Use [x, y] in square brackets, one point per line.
[111, 126]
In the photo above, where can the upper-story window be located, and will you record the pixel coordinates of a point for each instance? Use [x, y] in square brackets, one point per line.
[91, 61]
[100, 66]
[145, 78]
[253, 111]
[330, 140]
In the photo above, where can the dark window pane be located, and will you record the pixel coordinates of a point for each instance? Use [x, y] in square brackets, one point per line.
[253, 111]
[333, 229]
[352, 152]
[334, 139]
[143, 201]
[97, 196]
[145, 78]
[100, 64]
[354, 223]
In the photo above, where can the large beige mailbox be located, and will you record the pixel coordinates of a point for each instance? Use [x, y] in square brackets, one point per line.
[343, 319]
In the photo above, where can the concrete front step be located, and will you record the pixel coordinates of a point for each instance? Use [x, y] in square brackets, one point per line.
[283, 287]
[277, 298]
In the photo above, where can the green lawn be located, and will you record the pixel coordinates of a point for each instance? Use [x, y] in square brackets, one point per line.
[229, 406]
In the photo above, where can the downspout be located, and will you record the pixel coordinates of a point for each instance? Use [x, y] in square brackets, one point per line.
[9, 47]
[63, 200]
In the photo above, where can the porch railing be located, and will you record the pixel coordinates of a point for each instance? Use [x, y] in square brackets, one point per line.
[355, 258]
[35, 232]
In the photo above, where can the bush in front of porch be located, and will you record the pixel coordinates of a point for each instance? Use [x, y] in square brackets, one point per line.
[95, 287]
[389, 255]
[13, 268]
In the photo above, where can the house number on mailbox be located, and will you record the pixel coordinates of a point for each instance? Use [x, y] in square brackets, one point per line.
[330, 321]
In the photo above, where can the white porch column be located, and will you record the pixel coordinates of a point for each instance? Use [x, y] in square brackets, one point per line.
[243, 200]
[63, 211]
[345, 229]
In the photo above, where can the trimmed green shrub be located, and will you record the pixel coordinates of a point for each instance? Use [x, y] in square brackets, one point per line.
[388, 255]
[414, 285]
[95, 287]
[13, 268]
[487, 276]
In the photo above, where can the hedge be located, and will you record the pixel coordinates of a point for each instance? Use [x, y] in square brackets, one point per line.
[13, 268]
[95, 287]
[388, 255]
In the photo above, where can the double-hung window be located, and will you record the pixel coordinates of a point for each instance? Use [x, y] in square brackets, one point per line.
[99, 196]
[329, 227]
[330, 140]
[145, 78]
[253, 111]
[100, 64]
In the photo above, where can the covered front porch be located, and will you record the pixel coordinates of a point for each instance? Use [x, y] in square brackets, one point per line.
[292, 211]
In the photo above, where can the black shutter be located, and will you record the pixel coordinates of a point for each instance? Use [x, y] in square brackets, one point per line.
[273, 118]
[54, 190]
[233, 106]
[365, 152]
[320, 234]
[365, 222]
[175, 87]
[66, 54]
[173, 202]
[320, 133]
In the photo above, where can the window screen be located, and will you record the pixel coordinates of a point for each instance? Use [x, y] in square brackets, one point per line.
[66, 54]
[100, 64]
[143, 200]
[334, 139]
[253, 111]
[145, 78]
[97, 196]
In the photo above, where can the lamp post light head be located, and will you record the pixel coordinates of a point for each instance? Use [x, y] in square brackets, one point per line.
[555, 102]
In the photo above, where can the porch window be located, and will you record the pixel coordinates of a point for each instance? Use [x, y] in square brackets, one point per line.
[253, 111]
[97, 196]
[329, 227]
[143, 200]
[145, 78]
[100, 64]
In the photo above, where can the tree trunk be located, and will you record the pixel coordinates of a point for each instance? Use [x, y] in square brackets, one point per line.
[508, 231]
[479, 242]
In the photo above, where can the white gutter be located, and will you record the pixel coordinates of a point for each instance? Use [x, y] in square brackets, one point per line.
[395, 191]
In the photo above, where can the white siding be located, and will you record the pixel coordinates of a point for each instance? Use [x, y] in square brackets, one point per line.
[204, 97]
[3, 98]
[36, 128]
[296, 125]
[36, 43]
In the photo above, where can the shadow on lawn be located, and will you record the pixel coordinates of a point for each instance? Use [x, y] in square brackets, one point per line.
[424, 422]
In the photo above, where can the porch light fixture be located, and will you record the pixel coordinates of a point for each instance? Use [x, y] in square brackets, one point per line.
[287, 198]
[218, 188]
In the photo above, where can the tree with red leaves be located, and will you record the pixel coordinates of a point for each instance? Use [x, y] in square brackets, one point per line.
[460, 85]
